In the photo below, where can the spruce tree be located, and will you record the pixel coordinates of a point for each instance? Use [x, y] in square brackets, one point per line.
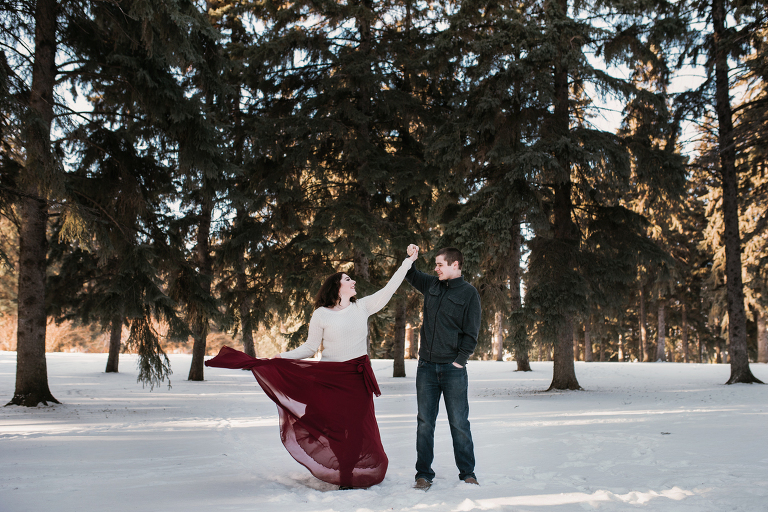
[111, 275]
[566, 178]
[408, 194]
[40, 167]
[242, 188]
[590, 243]
[751, 128]
[125, 59]
[164, 116]
[737, 322]
[729, 36]
[345, 125]
[486, 196]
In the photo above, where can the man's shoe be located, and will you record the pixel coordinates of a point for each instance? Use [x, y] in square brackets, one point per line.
[422, 484]
[471, 480]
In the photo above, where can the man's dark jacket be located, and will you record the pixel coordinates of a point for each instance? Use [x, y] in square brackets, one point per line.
[451, 318]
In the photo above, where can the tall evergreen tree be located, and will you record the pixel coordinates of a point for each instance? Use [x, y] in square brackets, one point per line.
[533, 144]
[128, 56]
[40, 167]
[407, 34]
[236, 294]
[342, 93]
[726, 41]
[159, 114]
[752, 133]
[489, 116]
[112, 275]
[594, 243]
[737, 321]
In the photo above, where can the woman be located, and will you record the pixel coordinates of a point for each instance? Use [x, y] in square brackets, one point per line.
[327, 419]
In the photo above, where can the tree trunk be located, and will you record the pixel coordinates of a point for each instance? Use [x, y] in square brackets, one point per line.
[737, 318]
[563, 375]
[762, 338]
[575, 344]
[565, 230]
[661, 346]
[621, 348]
[361, 265]
[643, 328]
[205, 262]
[408, 341]
[31, 369]
[718, 353]
[399, 347]
[115, 335]
[587, 342]
[600, 351]
[520, 341]
[684, 334]
[413, 336]
[698, 347]
[200, 335]
[523, 361]
[246, 324]
[498, 339]
[361, 272]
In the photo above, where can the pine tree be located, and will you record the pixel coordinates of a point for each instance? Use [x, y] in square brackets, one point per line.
[737, 335]
[566, 178]
[39, 166]
[164, 116]
[588, 354]
[727, 39]
[594, 243]
[111, 276]
[652, 129]
[409, 195]
[234, 289]
[751, 128]
[486, 195]
[357, 169]
[125, 61]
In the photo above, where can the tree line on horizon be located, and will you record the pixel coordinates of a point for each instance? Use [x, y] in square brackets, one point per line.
[204, 165]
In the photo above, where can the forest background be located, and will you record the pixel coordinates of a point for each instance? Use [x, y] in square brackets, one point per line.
[179, 175]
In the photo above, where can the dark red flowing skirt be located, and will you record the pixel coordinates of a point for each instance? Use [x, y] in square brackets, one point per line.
[327, 420]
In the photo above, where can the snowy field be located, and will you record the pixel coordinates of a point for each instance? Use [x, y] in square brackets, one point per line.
[655, 437]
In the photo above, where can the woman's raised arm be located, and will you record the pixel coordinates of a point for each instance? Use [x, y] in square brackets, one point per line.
[374, 303]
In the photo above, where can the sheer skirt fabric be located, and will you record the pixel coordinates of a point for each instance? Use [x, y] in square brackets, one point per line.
[327, 418]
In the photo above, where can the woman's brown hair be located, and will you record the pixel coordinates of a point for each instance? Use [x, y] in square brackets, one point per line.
[328, 295]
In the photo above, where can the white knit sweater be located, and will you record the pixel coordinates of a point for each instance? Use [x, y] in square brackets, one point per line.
[344, 333]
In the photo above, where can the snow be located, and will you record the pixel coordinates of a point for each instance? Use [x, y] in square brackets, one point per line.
[655, 437]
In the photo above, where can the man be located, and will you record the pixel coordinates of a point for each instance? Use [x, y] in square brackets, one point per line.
[448, 337]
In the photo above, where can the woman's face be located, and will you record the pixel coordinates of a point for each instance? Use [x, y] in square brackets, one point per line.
[346, 286]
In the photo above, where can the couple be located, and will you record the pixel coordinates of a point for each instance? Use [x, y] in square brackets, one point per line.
[327, 419]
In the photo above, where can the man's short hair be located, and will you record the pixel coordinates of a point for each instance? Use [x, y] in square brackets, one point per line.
[451, 254]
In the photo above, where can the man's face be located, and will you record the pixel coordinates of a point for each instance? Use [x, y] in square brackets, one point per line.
[445, 271]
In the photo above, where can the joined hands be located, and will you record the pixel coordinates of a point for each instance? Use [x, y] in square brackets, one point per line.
[413, 252]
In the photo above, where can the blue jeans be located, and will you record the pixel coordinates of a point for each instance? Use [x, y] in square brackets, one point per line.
[432, 380]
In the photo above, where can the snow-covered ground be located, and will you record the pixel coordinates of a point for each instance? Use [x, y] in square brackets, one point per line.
[657, 437]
